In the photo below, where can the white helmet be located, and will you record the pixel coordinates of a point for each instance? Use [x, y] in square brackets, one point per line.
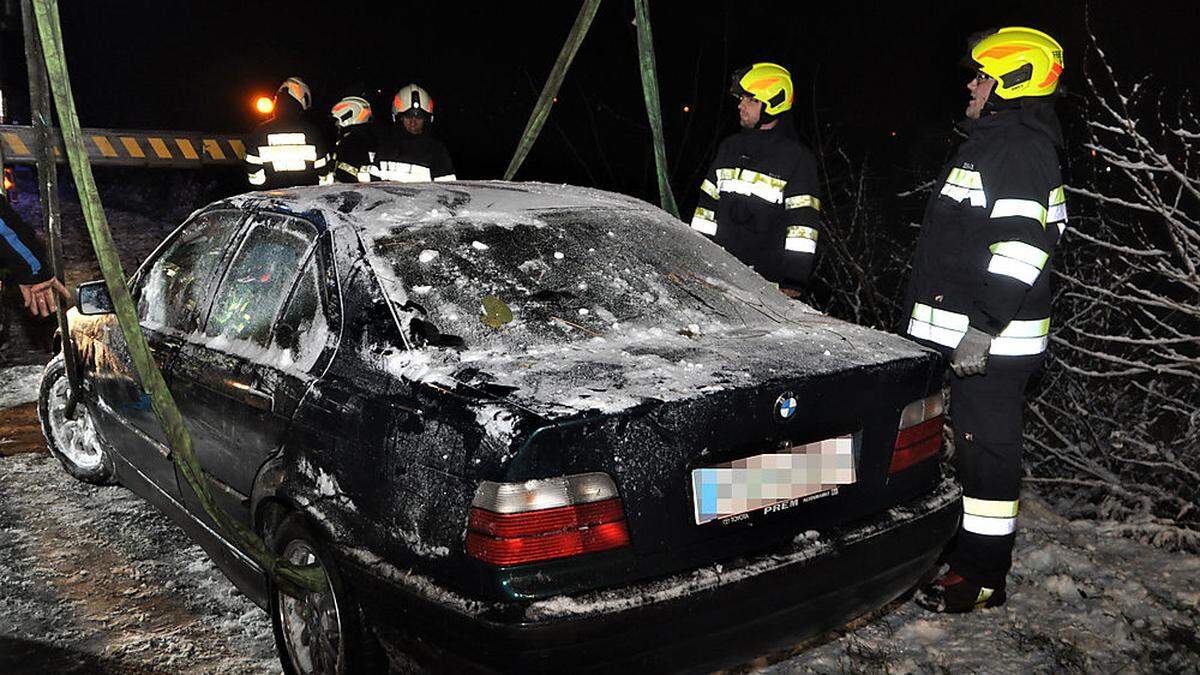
[350, 111]
[297, 89]
[412, 100]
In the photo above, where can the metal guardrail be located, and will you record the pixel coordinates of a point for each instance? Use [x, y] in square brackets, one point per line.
[117, 147]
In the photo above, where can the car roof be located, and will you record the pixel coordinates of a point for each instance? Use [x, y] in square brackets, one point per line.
[371, 205]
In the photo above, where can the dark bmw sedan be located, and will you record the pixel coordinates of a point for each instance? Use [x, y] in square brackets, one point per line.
[520, 427]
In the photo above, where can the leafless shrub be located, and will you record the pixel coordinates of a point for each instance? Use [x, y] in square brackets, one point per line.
[1115, 422]
[864, 256]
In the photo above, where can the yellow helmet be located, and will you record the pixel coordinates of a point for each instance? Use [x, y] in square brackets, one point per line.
[1023, 61]
[766, 82]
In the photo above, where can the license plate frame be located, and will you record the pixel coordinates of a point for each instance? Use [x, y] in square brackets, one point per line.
[759, 482]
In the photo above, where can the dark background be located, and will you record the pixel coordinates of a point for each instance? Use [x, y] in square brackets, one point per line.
[881, 77]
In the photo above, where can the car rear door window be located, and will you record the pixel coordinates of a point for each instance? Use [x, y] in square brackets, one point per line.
[303, 329]
[176, 285]
[259, 279]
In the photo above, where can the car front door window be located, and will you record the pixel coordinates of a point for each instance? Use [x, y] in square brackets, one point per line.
[258, 280]
[176, 285]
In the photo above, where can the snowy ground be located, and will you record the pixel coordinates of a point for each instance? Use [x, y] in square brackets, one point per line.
[1079, 601]
[19, 385]
[93, 579]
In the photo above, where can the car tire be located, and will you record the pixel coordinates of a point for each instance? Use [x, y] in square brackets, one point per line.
[306, 629]
[75, 443]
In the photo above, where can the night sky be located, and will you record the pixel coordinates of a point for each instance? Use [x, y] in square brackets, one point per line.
[864, 69]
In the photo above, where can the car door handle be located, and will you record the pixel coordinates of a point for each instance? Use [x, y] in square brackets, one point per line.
[255, 398]
[161, 349]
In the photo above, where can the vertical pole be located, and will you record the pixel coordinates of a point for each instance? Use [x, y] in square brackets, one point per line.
[541, 109]
[47, 174]
[645, 40]
[5, 10]
[3, 120]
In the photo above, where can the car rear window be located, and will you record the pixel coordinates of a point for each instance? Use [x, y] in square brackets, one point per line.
[566, 275]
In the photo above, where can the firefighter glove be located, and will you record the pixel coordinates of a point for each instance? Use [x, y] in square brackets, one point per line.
[970, 357]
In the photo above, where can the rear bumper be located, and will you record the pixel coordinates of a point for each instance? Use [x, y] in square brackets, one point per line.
[714, 617]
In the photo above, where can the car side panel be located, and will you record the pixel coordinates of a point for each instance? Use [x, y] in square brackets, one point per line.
[124, 415]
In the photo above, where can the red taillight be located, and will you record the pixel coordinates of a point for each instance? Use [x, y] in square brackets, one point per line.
[920, 434]
[917, 443]
[538, 544]
[548, 520]
[578, 514]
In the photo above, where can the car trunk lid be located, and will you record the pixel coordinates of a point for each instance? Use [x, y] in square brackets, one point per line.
[663, 409]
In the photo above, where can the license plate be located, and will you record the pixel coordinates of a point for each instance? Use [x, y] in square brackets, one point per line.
[759, 482]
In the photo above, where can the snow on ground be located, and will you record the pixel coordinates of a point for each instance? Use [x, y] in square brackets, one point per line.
[19, 384]
[96, 580]
[1079, 601]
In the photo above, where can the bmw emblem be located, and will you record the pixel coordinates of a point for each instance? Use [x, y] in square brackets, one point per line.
[785, 405]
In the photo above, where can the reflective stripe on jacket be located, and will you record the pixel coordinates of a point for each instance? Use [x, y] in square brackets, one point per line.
[759, 200]
[288, 150]
[985, 254]
[400, 156]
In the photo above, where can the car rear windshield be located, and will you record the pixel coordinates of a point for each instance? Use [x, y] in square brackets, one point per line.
[566, 275]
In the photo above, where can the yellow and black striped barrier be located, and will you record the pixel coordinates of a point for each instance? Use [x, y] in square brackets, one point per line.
[116, 147]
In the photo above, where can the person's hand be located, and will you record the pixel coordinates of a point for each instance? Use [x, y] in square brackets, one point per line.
[970, 357]
[42, 299]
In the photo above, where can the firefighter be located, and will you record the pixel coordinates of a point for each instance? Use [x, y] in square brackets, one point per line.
[22, 259]
[408, 153]
[354, 152]
[288, 149]
[759, 199]
[980, 293]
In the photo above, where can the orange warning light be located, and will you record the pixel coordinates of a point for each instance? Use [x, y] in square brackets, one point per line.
[264, 104]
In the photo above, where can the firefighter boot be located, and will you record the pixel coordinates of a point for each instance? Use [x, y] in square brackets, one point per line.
[950, 593]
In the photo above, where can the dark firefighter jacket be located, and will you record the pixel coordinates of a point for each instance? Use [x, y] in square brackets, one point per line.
[986, 248]
[22, 258]
[410, 159]
[759, 201]
[354, 154]
[288, 149]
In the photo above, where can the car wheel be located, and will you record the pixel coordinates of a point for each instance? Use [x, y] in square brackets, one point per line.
[319, 633]
[74, 442]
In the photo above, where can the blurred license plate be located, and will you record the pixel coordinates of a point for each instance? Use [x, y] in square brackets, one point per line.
[762, 481]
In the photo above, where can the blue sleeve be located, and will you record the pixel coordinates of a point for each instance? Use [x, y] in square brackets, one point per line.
[21, 254]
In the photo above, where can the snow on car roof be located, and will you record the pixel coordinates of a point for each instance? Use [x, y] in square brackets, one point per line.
[372, 205]
[600, 359]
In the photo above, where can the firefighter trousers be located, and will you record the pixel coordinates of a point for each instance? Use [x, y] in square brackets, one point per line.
[986, 415]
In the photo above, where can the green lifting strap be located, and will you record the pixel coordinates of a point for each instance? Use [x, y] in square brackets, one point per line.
[291, 579]
[537, 119]
[645, 40]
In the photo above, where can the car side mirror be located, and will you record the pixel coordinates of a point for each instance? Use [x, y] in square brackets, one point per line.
[92, 298]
